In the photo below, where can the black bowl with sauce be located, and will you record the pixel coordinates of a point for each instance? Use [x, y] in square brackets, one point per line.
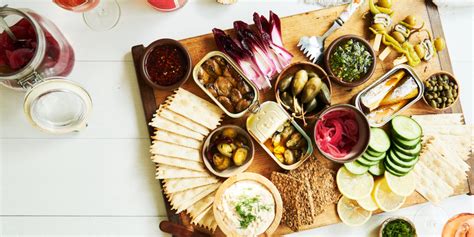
[165, 64]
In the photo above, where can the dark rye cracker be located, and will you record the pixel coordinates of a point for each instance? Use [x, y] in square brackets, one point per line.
[297, 200]
[322, 182]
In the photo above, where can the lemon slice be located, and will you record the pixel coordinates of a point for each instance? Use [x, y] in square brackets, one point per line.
[351, 213]
[368, 203]
[354, 186]
[385, 199]
[403, 186]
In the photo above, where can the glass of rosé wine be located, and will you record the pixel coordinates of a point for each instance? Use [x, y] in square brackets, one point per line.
[99, 15]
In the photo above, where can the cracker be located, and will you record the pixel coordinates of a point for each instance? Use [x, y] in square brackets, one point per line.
[181, 184]
[439, 119]
[173, 150]
[197, 220]
[171, 172]
[195, 108]
[429, 185]
[180, 201]
[170, 126]
[322, 182]
[177, 162]
[183, 121]
[297, 200]
[200, 206]
[209, 221]
[445, 170]
[165, 136]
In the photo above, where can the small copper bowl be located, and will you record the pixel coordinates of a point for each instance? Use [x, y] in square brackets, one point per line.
[332, 47]
[362, 140]
[291, 70]
[146, 54]
[451, 78]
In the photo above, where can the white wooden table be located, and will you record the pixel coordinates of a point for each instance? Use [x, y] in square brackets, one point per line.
[101, 181]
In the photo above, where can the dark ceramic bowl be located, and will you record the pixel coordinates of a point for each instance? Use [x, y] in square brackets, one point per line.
[146, 54]
[233, 169]
[342, 40]
[362, 141]
[291, 70]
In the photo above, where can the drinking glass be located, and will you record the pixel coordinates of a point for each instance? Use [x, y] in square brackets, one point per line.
[99, 15]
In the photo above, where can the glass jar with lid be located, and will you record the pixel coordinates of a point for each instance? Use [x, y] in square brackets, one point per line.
[35, 57]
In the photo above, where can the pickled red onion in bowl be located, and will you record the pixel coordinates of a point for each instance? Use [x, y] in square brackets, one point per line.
[342, 133]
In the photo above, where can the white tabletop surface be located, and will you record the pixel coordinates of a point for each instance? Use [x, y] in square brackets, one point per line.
[100, 182]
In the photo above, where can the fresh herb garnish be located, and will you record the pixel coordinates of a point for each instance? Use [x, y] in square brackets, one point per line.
[351, 61]
[247, 208]
[398, 228]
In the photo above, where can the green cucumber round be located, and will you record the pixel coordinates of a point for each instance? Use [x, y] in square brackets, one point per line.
[406, 128]
[396, 168]
[392, 171]
[373, 153]
[377, 169]
[373, 158]
[356, 167]
[399, 162]
[407, 144]
[366, 162]
[409, 152]
[379, 140]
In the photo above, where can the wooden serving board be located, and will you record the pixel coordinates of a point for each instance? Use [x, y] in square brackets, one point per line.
[293, 27]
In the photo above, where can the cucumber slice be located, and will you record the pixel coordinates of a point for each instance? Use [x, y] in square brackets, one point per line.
[379, 140]
[407, 144]
[406, 128]
[371, 152]
[366, 162]
[377, 169]
[390, 169]
[402, 156]
[356, 167]
[373, 158]
[409, 152]
[396, 168]
[400, 162]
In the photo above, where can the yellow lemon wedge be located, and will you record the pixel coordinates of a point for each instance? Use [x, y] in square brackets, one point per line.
[368, 203]
[403, 186]
[385, 199]
[354, 186]
[351, 213]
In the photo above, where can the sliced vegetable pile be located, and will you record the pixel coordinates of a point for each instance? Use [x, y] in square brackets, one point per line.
[406, 147]
[372, 159]
[259, 52]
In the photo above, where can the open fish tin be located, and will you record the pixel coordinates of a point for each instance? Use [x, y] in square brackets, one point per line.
[263, 124]
[254, 103]
[409, 72]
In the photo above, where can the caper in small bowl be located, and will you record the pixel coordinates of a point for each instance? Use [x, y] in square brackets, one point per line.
[441, 90]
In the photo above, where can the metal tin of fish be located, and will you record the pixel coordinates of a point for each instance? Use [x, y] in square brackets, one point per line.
[264, 123]
[253, 105]
[409, 72]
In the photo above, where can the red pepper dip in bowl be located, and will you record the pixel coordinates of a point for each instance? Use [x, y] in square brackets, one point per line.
[165, 64]
[342, 133]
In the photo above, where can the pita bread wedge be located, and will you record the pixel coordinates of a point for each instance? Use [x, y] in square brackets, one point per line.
[165, 136]
[183, 121]
[455, 130]
[177, 162]
[429, 185]
[171, 172]
[201, 205]
[208, 221]
[183, 200]
[181, 184]
[198, 218]
[164, 124]
[450, 174]
[439, 119]
[195, 108]
[173, 150]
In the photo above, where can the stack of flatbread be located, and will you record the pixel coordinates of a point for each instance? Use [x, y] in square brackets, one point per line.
[181, 124]
[447, 144]
[305, 192]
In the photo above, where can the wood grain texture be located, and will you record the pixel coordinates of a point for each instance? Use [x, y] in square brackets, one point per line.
[316, 23]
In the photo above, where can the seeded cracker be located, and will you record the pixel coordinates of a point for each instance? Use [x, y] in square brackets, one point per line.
[322, 182]
[297, 200]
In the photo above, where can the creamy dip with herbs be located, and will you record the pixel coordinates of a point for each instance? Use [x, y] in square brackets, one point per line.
[248, 207]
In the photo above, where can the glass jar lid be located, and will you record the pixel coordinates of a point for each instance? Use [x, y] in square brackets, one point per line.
[58, 106]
